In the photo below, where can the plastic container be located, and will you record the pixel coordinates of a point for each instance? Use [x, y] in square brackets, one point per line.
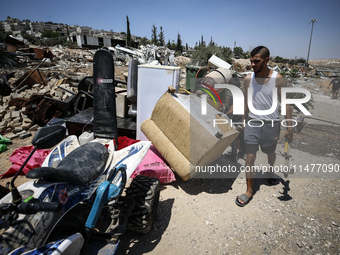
[191, 72]
[85, 137]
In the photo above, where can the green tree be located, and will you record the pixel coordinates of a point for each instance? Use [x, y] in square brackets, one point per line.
[154, 34]
[278, 59]
[50, 34]
[144, 41]
[211, 43]
[161, 38]
[246, 54]
[301, 60]
[202, 41]
[128, 34]
[205, 52]
[172, 45]
[238, 52]
[179, 47]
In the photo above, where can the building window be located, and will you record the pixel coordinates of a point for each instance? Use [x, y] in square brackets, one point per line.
[100, 41]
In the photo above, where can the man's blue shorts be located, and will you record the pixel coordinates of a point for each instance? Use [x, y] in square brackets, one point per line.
[264, 133]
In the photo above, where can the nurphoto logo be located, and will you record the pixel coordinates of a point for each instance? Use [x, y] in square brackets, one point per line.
[238, 99]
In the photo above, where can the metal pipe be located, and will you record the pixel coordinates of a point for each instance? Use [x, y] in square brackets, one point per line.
[69, 91]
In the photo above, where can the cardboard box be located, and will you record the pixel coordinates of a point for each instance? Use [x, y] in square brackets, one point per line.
[121, 102]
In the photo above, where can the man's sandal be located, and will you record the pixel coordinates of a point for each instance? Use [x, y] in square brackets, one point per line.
[244, 198]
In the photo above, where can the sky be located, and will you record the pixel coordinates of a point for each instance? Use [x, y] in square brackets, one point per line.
[282, 26]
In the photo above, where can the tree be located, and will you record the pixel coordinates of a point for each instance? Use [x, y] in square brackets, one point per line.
[246, 54]
[179, 47]
[211, 43]
[172, 45]
[161, 39]
[144, 41]
[128, 34]
[50, 34]
[238, 52]
[278, 59]
[202, 41]
[205, 52]
[154, 34]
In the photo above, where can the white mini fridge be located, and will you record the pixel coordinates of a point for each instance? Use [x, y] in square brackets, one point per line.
[153, 82]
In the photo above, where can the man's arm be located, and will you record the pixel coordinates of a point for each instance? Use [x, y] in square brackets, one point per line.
[330, 83]
[280, 82]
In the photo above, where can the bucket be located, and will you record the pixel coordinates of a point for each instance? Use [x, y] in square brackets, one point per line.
[217, 76]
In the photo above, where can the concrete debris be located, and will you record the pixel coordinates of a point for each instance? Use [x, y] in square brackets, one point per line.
[14, 119]
[149, 54]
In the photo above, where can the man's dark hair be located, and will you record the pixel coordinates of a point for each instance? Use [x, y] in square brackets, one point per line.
[262, 50]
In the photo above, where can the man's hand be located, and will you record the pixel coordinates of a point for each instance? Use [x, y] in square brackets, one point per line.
[289, 134]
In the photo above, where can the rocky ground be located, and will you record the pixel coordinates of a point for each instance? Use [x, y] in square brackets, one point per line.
[300, 215]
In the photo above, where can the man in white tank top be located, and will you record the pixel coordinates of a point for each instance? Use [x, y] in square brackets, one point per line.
[263, 132]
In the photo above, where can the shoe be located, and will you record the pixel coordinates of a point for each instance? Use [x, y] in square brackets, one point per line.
[244, 198]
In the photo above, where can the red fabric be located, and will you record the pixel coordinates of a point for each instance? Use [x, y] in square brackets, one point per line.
[19, 156]
[124, 141]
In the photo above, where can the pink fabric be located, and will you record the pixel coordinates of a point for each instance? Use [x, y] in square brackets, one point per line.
[154, 165]
[19, 156]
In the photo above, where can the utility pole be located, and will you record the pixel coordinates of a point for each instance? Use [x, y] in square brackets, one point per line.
[310, 41]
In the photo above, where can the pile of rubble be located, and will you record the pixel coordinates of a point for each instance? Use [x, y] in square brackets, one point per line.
[42, 73]
[74, 58]
[148, 54]
[15, 121]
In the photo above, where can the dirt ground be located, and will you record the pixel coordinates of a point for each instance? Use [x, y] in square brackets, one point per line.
[300, 215]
